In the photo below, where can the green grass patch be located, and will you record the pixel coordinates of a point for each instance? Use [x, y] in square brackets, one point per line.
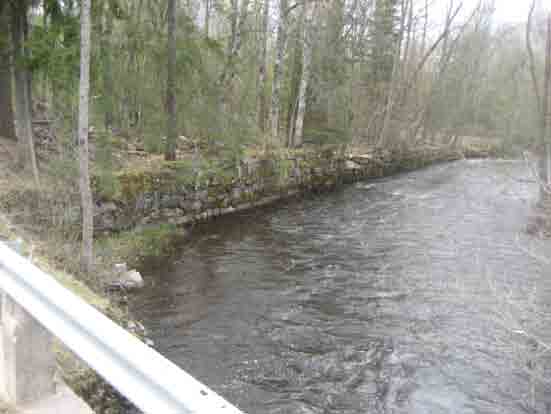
[141, 246]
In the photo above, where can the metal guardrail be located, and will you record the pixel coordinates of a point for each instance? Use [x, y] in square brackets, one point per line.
[150, 381]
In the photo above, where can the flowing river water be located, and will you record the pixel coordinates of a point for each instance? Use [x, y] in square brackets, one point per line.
[421, 294]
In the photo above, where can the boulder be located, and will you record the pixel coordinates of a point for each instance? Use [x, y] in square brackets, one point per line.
[132, 280]
[126, 279]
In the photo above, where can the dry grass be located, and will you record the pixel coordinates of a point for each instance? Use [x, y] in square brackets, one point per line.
[39, 248]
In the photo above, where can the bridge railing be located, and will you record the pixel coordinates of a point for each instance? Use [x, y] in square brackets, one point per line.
[146, 378]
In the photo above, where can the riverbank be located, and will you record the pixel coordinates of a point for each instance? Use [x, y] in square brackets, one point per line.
[153, 207]
[170, 193]
[149, 209]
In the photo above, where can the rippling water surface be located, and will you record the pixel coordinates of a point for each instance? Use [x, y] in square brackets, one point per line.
[418, 295]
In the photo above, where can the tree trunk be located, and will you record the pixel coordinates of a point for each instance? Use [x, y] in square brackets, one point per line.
[263, 63]
[394, 80]
[295, 69]
[531, 59]
[306, 65]
[84, 182]
[276, 81]
[27, 157]
[108, 86]
[170, 150]
[546, 114]
[207, 18]
[238, 26]
[7, 126]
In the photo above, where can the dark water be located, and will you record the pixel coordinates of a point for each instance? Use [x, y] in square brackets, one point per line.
[423, 294]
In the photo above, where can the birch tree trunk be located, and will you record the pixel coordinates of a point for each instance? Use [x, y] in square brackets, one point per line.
[171, 136]
[276, 81]
[263, 63]
[306, 66]
[83, 107]
[27, 157]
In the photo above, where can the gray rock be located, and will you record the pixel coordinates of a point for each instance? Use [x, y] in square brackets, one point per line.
[131, 280]
[108, 207]
[120, 268]
[168, 201]
[351, 165]
[236, 193]
[183, 220]
[197, 205]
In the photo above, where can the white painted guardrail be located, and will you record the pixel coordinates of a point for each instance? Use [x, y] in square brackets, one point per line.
[150, 381]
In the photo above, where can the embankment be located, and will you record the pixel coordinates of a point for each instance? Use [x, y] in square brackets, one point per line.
[172, 194]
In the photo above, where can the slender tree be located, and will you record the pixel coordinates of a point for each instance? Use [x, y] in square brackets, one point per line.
[305, 77]
[107, 50]
[87, 253]
[278, 69]
[23, 105]
[262, 65]
[7, 126]
[546, 107]
[172, 120]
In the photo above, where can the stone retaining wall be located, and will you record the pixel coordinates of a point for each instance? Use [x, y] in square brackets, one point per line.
[170, 194]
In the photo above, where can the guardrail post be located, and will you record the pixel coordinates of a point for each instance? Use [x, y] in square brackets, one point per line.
[27, 360]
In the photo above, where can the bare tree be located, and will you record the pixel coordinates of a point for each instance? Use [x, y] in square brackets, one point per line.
[83, 110]
[238, 21]
[545, 105]
[278, 68]
[207, 17]
[305, 77]
[262, 66]
[171, 136]
[542, 99]
[531, 58]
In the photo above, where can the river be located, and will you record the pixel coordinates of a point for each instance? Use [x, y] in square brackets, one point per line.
[421, 294]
